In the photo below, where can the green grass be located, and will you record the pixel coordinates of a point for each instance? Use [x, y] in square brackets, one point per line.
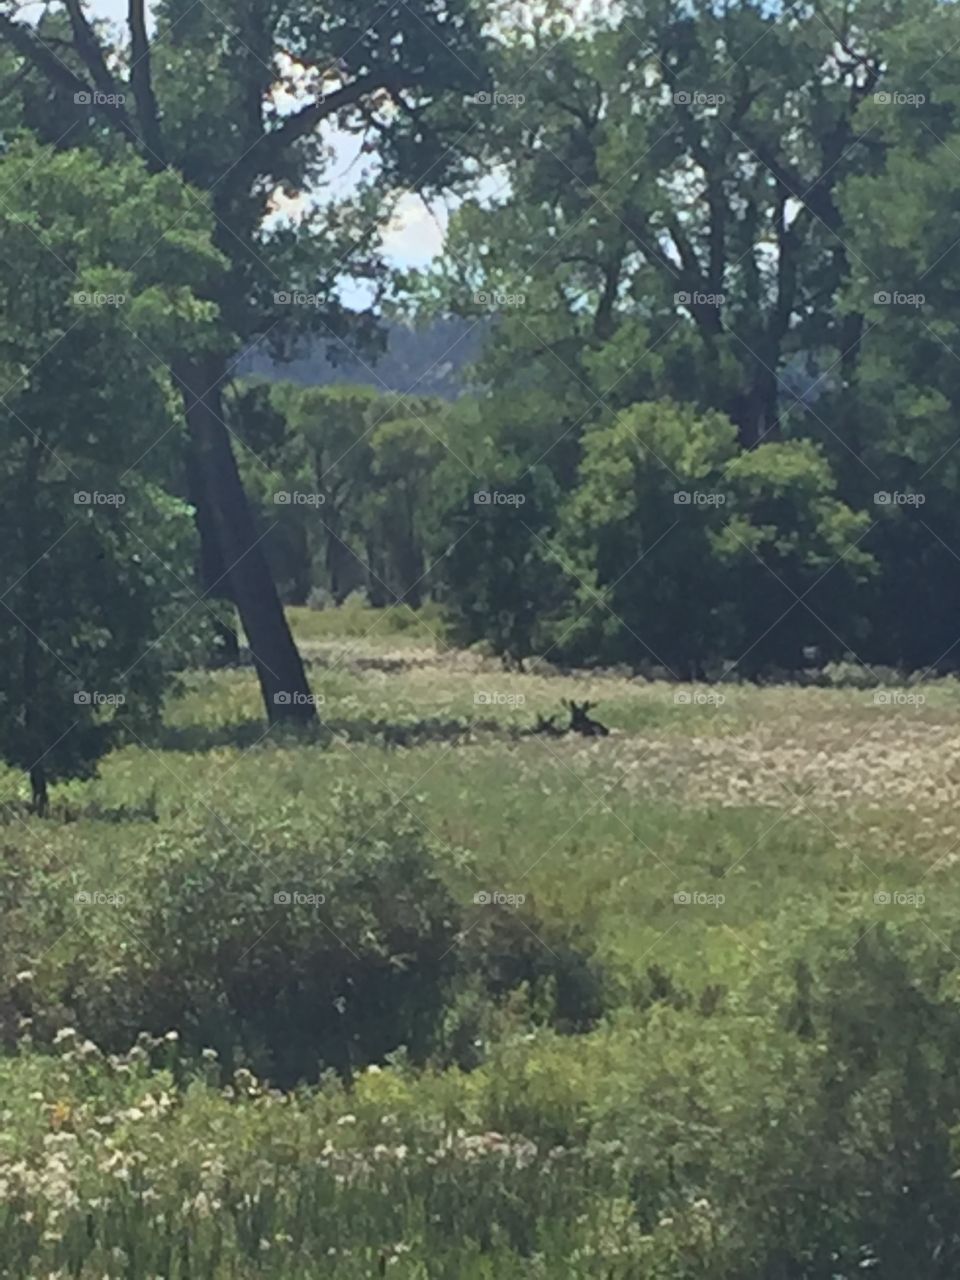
[793, 807]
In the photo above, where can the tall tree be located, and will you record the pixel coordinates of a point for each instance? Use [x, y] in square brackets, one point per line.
[94, 609]
[669, 221]
[240, 102]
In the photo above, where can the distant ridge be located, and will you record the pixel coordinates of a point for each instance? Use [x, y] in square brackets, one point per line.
[431, 360]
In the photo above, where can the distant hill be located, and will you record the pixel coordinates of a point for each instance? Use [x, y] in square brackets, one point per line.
[431, 360]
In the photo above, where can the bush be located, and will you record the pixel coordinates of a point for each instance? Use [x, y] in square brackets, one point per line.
[290, 958]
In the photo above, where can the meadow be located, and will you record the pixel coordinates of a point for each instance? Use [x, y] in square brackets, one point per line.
[426, 993]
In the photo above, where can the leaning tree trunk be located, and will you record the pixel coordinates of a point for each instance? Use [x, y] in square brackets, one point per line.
[211, 569]
[283, 681]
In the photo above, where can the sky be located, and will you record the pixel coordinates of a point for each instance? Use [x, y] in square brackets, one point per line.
[415, 233]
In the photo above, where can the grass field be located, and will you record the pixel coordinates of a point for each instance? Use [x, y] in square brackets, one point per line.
[710, 1031]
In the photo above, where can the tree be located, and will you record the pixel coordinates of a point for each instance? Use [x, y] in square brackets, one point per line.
[670, 224]
[637, 532]
[696, 556]
[492, 515]
[94, 604]
[208, 107]
[894, 439]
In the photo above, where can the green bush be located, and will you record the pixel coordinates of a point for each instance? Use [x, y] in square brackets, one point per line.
[290, 958]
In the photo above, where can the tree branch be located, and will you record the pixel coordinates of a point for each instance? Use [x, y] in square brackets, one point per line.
[271, 145]
[23, 40]
[141, 81]
[89, 49]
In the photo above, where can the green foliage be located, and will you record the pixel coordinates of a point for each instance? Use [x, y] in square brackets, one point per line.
[343, 476]
[690, 551]
[96, 550]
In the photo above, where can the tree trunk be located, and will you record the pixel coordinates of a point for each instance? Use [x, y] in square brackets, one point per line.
[283, 682]
[31, 623]
[211, 570]
[38, 787]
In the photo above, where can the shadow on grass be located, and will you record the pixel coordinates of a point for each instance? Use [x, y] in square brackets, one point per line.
[364, 730]
[64, 811]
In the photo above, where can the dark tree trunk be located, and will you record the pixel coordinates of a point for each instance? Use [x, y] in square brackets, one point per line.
[755, 412]
[283, 681]
[378, 593]
[409, 559]
[211, 570]
[29, 613]
[38, 786]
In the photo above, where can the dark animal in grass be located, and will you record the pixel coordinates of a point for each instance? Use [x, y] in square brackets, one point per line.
[581, 722]
[547, 725]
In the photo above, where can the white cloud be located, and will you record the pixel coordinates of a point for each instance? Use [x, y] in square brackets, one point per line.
[415, 234]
